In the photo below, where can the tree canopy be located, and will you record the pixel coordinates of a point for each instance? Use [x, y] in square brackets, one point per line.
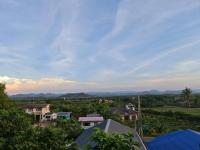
[4, 100]
[105, 141]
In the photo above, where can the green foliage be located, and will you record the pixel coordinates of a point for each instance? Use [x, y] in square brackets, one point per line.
[71, 128]
[18, 133]
[104, 141]
[4, 100]
[43, 138]
[13, 123]
[155, 123]
[187, 94]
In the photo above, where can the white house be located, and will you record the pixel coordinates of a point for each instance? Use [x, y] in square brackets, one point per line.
[50, 116]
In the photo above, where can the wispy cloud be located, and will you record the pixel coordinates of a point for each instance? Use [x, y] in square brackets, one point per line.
[99, 44]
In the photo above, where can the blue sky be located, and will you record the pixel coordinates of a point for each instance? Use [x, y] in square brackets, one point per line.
[99, 45]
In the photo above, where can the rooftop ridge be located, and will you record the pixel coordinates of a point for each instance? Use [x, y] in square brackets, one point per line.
[107, 125]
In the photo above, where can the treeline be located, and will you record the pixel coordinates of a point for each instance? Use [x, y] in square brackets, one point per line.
[155, 122]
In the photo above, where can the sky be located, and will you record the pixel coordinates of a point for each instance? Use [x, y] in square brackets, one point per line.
[63, 46]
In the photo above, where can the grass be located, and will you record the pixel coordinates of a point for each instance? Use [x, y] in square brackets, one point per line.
[190, 111]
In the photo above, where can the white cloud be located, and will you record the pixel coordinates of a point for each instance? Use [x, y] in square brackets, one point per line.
[25, 85]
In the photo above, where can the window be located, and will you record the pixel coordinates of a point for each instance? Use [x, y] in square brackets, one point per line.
[38, 109]
[86, 124]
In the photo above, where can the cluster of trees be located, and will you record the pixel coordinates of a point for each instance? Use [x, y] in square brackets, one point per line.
[17, 131]
[104, 141]
[155, 123]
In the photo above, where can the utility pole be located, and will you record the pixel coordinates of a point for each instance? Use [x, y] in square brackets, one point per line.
[140, 131]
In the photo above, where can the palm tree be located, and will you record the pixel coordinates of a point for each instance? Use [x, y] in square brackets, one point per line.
[187, 94]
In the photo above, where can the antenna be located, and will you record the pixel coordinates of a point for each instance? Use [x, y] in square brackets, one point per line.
[140, 131]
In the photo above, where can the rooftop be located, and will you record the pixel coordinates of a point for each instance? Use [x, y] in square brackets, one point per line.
[108, 126]
[90, 119]
[31, 106]
[178, 140]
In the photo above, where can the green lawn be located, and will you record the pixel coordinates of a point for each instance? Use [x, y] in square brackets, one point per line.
[191, 111]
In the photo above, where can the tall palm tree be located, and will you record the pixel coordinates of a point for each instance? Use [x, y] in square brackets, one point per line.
[187, 94]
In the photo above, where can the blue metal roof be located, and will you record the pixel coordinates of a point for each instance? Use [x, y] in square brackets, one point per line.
[178, 140]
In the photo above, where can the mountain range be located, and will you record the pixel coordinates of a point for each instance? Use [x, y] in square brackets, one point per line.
[94, 94]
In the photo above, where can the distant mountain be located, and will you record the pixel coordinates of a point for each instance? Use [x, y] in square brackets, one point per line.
[93, 94]
[134, 93]
[76, 95]
[50, 95]
[33, 95]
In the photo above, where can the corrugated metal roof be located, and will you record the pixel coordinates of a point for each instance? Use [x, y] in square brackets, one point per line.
[109, 126]
[90, 119]
[178, 140]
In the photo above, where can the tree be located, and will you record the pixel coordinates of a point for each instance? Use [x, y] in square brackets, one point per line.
[4, 100]
[48, 138]
[105, 141]
[13, 123]
[71, 128]
[187, 94]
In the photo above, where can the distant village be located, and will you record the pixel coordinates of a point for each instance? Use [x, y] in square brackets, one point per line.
[43, 116]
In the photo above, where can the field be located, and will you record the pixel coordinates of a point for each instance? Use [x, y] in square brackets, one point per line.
[190, 111]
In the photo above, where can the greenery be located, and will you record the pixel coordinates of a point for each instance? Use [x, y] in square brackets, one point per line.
[190, 111]
[17, 131]
[105, 141]
[155, 123]
[4, 100]
[187, 94]
[160, 114]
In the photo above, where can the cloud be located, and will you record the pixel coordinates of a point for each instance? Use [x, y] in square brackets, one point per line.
[138, 23]
[164, 54]
[55, 85]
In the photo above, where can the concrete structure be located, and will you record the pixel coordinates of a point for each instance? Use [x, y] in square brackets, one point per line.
[87, 122]
[38, 110]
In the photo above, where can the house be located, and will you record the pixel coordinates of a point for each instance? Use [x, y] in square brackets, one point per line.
[87, 122]
[38, 110]
[50, 116]
[64, 115]
[105, 101]
[127, 113]
[109, 126]
[177, 140]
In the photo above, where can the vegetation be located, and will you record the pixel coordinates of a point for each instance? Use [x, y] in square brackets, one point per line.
[155, 123]
[4, 100]
[187, 94]
[189, 111]
[160, 114]
[104, 141]
[18, 133]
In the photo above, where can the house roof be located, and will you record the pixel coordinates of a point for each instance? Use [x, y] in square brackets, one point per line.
[93, 115]
[123, 111]
[179, 140]
[108, 126]
[90, 119]
[31, 106]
